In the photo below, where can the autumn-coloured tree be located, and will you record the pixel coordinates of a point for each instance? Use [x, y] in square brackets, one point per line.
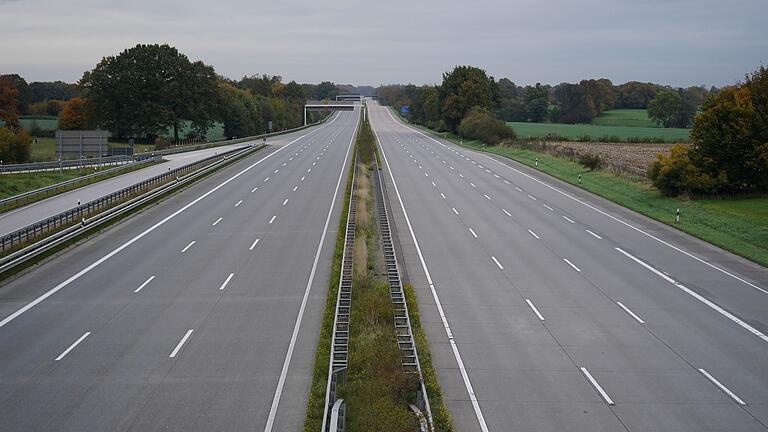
[14, 146]
[74, 115]
[9, 94]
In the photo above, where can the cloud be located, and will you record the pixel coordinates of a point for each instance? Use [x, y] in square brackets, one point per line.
[679, 42]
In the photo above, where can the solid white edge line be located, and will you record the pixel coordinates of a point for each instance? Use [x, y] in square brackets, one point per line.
[181, 343]
[698, 297]
[627, 224]
[226, 281]
[146, 282]
[632, 314]
[501, 267]
[533, 308]
[572, 265]
[71, 347]
[253, 245]
[186, 248]
[297, 326]
[443, 318]
[79, 274]
[533, 234]
[722, 387]
[599, 389]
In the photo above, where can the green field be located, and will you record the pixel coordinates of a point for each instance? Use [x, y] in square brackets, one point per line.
[42, 122]
[574, 131]
[625, 117]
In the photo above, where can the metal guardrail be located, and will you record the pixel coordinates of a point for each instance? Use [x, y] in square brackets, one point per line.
[60, 187]
[77, 214]
[409, 357]
[65, 234]
[65, 164]
[116, 160]
[339, 360]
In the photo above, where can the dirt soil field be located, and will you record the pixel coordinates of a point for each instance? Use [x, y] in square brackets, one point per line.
[632, 159]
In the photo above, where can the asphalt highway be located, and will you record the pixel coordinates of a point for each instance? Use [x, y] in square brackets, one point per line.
[200, 313]
[13, 220]
[550, 309]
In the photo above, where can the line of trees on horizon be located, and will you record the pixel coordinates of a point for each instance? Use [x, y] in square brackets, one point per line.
[729, 150]
[147, 90]
[571, 103]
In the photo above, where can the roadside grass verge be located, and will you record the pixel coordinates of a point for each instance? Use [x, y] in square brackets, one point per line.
[738, 225]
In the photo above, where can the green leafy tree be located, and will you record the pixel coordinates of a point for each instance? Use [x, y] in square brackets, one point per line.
[672, 108]
[149, 88]
[575, 105]
[464, 88]
[41, 91]
[239, 111]
[731, 135]
[635, 95]
[536, 102]
[326, 90]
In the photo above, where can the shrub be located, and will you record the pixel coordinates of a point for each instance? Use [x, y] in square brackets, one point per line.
[14, 147]
[676, 174]
[590, 161]
[481, 125]
[584, 138]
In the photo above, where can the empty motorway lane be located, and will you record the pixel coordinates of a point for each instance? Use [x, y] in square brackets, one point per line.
[548, 309]
[200, 313]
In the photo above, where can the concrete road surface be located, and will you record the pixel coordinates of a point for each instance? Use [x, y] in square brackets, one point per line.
[550, 309]
[19, 218]
[199, 314]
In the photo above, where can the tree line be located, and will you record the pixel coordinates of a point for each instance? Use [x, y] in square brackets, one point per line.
[147, 90]
[571, 103]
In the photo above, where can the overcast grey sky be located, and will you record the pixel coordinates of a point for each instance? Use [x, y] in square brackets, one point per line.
[677, 42]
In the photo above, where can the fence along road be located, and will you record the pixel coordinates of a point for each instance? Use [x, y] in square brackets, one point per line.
[18, 218]
[555, 310]
[191, 321]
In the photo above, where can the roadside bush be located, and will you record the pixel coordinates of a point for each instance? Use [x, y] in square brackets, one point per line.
[481, 125]
[161, 143]
[677, 174]
[14, 147]
[590, 161]
[584, 138]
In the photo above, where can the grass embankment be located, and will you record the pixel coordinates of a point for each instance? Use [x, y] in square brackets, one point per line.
[739, 225]
[597, 132]
[14, 184]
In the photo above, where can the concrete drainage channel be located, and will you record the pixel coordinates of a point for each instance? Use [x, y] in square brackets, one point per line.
[35, 239]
